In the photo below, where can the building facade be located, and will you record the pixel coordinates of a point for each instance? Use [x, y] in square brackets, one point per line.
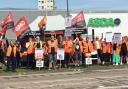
[45, 4]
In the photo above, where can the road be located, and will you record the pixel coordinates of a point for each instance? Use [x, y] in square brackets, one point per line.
[82, 79]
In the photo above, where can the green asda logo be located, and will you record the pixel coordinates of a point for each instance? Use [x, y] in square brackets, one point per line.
[103, 22]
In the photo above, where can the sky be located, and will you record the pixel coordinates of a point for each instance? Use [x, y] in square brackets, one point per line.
[73, 4]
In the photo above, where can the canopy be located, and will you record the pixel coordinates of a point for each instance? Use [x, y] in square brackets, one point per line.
[54, 23]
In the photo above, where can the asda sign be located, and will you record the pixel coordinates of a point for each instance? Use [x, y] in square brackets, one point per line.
[103, 22]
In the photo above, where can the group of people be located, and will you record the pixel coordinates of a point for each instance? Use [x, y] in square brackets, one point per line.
[76, 50]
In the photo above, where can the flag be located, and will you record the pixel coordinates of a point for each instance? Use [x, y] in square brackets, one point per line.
[1, 23]
[2, 33]
[21, 28]
[8, 23]
[79, 20]
[42, 23]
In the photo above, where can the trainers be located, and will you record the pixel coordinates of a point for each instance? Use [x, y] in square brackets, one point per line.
[116, 64]
[103, 62]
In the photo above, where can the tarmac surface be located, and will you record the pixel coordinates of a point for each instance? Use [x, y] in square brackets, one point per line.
[115, 78]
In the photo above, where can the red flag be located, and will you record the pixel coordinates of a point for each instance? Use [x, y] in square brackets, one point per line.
[1, 23]
[8, 22]
[9, 18]
[42, 22]
[21, 27]
[79, 19]
[3, 32]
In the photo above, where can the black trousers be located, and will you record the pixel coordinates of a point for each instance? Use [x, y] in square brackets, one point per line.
[31, 61]
[67, 58]
[106, 57]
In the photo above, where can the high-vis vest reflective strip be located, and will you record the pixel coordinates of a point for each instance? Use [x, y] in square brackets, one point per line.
[106, 48]
[67, 45]
[30, 49]
[9, 50]
[50, 45]
[87, 47]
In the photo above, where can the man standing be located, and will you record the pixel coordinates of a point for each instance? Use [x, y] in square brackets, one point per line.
[30, 51]
[11, 54]
[67, 45]
[52, 51]
[38, 43]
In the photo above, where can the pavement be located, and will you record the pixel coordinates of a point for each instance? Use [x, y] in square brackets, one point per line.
[108, 77]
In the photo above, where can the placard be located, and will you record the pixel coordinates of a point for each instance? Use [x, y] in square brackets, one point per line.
[38, 54]
[60, 54]
[117, 37]
[88, 61]
[109, 36]
[68, 32]
[68, 21]
[39, 63]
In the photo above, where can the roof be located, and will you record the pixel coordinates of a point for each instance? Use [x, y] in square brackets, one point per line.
[53, 23]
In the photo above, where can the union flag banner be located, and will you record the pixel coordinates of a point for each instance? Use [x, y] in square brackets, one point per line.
[21, 28]
[42, 23]
[79, 20]
[8, 23]
[3, 31]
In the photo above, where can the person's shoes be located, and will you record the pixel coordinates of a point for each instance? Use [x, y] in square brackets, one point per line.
[121, 63]
[116, 64]
[103, 62]
[127, 62]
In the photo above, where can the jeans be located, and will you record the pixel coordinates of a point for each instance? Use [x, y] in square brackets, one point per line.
[11, 63]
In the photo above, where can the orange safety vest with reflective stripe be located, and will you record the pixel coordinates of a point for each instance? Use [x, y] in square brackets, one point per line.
[9, 50]
[50, 45]
[67, 45]
[87, 47]
[106, 48]
[30, 49]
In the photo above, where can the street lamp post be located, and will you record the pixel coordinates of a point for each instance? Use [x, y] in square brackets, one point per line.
[67, 7]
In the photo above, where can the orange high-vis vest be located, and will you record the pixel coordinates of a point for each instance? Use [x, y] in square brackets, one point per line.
[30, 49]
[67, 45]
[106, 48]
[50, 45]
[87, 47]
[23, 54]
[9, 50]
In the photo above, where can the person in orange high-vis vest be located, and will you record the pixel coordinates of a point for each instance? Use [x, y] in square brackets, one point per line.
[11, 55]
[106, 52]
[87, 47]
[30, 54]
[52, 51]
[67, 45]
[78, 48]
